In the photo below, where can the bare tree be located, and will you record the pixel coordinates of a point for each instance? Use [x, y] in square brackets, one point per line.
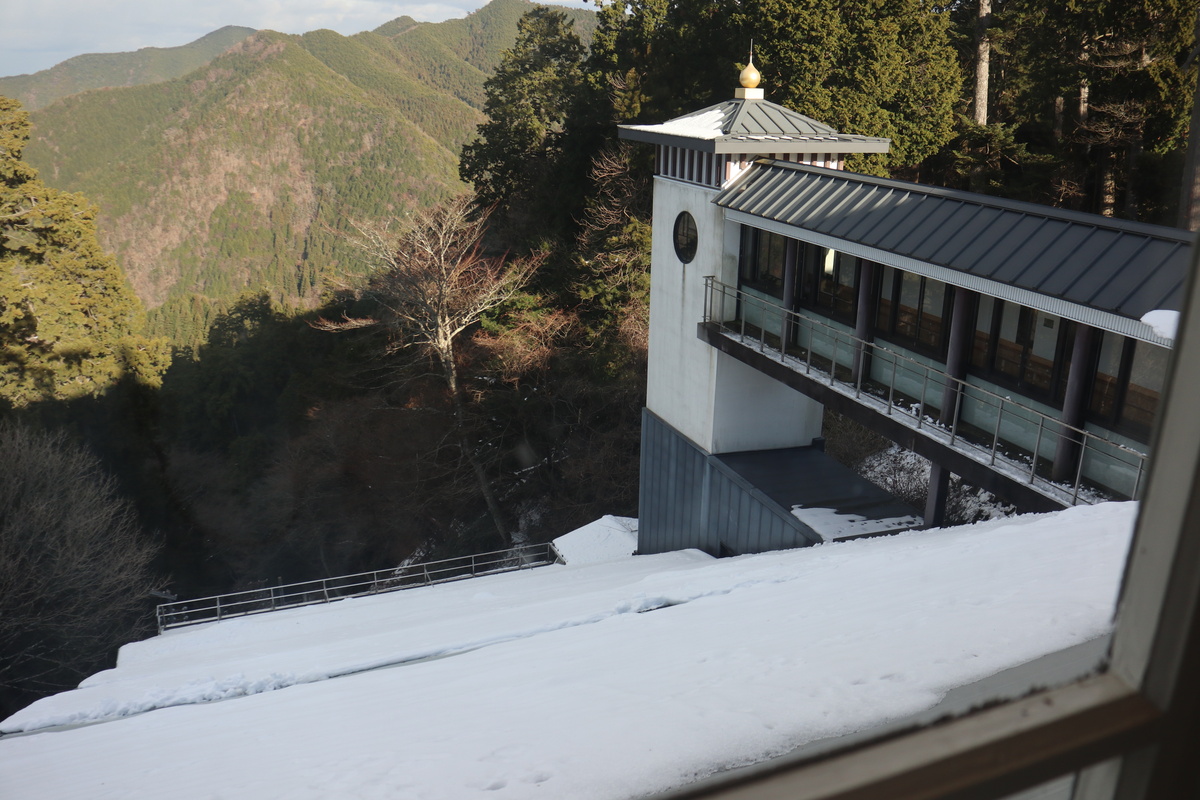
[434, 282]
[74, 564]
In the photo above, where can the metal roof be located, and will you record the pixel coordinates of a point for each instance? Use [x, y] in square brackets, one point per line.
[752, 126]
[987, 243]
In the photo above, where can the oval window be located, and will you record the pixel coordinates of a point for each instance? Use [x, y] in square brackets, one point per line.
[685, 237]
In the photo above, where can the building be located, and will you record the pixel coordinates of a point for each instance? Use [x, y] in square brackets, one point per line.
[1004, 341]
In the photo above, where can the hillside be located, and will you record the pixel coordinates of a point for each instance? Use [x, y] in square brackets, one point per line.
[248, 172]
[106, 70]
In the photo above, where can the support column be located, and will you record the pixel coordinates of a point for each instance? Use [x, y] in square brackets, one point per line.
[1068, 451]
[939, 491]
[787, 328]
[957, 355]
[864, 319]
[958, 352]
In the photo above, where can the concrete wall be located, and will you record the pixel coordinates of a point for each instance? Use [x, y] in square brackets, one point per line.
[713, 400]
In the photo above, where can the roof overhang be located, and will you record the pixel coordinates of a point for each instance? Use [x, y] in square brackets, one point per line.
[1058, 261]
[756, 144]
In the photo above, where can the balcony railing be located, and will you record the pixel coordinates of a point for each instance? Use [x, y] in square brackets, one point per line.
[325, 590]
[1009, 435]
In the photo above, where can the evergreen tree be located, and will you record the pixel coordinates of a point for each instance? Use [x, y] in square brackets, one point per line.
[528, 102]
[872, 67]
[69, 324]
[1100, 87]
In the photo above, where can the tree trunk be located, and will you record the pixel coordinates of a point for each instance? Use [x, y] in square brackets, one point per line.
[1189, 194]
[983, 60]
[450, 370]
[1108, 182]
[1059, 115]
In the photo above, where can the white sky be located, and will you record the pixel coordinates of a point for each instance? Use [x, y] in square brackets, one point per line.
[37, 35]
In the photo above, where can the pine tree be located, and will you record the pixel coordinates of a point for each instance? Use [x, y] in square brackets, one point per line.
[69, 324]
[529, 99]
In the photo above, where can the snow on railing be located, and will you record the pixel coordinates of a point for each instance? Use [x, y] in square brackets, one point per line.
[325, 590]
[1004, 434]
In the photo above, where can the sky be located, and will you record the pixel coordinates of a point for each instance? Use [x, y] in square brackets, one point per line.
[37, 35]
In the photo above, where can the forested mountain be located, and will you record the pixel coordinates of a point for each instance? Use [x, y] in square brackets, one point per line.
[107, 70]
[248, 172]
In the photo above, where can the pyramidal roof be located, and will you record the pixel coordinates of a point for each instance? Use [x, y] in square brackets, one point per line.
[751, 126]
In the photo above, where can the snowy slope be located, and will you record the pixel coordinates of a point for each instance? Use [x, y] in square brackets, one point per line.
[549, 683]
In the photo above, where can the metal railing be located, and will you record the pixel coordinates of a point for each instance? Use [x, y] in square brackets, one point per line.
[325, 590]
[998, 431]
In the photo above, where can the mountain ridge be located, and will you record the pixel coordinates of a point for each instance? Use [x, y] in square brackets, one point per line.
[247, 173]
[108, 70]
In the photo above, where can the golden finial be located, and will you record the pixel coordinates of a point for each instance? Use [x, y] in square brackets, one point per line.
[750, 76]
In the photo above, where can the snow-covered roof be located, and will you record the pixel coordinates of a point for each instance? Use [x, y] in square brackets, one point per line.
[752, 126]
[613, 679]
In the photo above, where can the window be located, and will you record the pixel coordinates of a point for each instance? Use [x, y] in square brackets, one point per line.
[835, 276]
[912, 311]
[1128, 378]
[685, 237]
[1026, 349]
[762, 261]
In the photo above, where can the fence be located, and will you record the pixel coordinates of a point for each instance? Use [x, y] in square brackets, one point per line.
[1005, 434]
[325, 590]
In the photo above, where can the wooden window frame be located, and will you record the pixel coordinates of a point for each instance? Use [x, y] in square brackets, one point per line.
[989, 371]
[888, 331]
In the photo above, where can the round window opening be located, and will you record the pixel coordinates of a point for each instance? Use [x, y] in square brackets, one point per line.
[685, 237]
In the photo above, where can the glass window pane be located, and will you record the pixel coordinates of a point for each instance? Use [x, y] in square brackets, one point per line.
[933, 302]
[1145, 382]
[983, 332]
[883, 316]
[1108, 370]
[910, 303]
[1009, 346]
[1039, 362]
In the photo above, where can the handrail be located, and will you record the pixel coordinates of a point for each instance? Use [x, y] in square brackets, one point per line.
[994, 454]
[409, 576]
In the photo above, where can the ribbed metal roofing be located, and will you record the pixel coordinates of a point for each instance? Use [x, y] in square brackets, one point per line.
[1115, 266]
[751, 126]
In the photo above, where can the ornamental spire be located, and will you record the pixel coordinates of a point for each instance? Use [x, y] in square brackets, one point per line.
[749, 79]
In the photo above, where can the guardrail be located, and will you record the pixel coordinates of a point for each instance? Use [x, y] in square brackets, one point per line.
[273, 598]
[996, 430]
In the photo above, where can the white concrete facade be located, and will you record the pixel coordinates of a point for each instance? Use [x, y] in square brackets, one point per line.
[720, 404]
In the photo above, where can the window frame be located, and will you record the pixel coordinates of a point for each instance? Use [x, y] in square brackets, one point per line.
[1065, 332]
[889, 329]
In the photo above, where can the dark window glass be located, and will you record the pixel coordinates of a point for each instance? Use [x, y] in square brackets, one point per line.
[1108, 375]
[933, 305]
[883, 311]
[837, 283]
[981, 345]
[1014, 335]
[686, 237]
[1147, 369]
[908, 305]
[1024, 348]
[1125, 390]
[762, 261]
[912, 310]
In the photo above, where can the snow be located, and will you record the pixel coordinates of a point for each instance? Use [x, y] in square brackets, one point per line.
[1164, 323]
[554, 682]
[830, 524]
[607, 539]
[706, 125]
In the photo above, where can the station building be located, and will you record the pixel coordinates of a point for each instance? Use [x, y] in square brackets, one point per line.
[1009, 343]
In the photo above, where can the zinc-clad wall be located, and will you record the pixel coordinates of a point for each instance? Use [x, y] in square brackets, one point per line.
[689, 499]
